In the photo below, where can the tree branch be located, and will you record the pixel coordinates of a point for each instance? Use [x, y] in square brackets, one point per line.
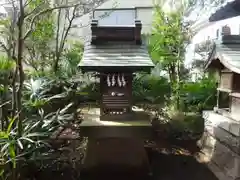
[3, 46]
[27, 3]
[57, 7]
[64, 37]
[43, 12]
[70, 21]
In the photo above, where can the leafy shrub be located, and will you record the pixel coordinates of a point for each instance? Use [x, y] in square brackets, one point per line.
[186, 122]
[34, 139]
[51, 93]
[200, 95]
[180, 126]
[150, 89]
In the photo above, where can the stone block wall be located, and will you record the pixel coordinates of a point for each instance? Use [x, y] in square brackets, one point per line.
[221, 145]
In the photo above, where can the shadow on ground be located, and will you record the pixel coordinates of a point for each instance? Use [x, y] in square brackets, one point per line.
[173, 167]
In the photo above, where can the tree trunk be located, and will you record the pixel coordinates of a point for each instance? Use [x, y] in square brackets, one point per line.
[57, 53]
[20, 66]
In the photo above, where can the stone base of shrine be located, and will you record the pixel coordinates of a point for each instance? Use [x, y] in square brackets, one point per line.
[107, 156]
[93, 127]
[221, 145]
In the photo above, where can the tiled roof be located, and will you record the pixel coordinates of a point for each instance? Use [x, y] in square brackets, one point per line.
[116, 55]
[227, 52]
[231, 9]
[211, 12]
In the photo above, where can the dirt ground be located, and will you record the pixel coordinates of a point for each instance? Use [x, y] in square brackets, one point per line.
[164, 166]
[167, 163]
[184, 167]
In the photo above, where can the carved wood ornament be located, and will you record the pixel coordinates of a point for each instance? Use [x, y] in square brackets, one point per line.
[116, 79]
[116, 93]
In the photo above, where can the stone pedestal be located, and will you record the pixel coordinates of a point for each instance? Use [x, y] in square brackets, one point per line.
[116, 147]
[221, 145]
[116, 155]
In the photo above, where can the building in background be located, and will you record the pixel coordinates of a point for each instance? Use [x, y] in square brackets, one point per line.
[216, 19]
[122, 12]
[116, 12]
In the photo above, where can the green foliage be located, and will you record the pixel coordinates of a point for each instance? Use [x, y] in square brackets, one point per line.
[40, 41]
[44, 25]
[190, 127]
[150, 89]
[71, 58]
[50, 100]
[32, 142]
[169, 36]
[44, 102]
[51, 94]
[167, 47]
[44, 31]
[199, 95]
[6, 65]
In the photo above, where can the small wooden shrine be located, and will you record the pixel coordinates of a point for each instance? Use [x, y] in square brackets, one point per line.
[225, 59]
[220, 142]
[116, 53]
[116, 129]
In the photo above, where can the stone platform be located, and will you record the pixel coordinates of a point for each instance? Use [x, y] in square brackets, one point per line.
[116, 146]
[138, 126]
[116, 155]
[221, 145]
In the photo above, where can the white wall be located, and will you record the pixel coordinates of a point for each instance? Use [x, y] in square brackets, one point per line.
[126, 4]
[200, 13]
[143, 12]
[146, 17]
[118, 16]
[210, 33]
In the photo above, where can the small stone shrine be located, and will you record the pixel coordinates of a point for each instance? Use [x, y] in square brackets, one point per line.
[115, 129]
[221, 140]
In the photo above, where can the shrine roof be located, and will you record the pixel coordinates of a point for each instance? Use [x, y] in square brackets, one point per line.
[115, 47]
[226, 53]
[116, 54]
